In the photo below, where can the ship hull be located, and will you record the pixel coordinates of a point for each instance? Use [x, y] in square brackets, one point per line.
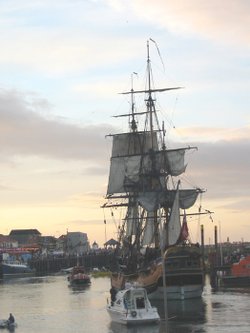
[184, 277]
[235, 281]
[178, 292]
[174, 292]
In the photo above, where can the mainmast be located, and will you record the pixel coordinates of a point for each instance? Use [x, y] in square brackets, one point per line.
[150, 100]
[150, 110]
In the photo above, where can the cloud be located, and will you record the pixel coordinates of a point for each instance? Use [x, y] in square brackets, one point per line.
[222, 168]
[26, 132]
[58, 38]
[213, 134]
[237, 205]
[226, 21]
[80, 223]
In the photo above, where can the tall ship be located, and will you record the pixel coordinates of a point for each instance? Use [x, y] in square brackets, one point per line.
[154, 248]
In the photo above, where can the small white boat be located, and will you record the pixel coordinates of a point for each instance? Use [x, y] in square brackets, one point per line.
[132, 306]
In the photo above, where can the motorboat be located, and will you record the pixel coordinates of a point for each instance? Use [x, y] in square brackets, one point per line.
[78, 276]
[132, 306]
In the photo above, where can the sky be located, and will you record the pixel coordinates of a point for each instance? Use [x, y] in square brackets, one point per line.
[63, 64]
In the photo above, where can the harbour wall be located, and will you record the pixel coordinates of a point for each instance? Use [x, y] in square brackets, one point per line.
[45, 266]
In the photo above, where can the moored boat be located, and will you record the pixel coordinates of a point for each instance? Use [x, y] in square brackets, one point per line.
[239, 275]
[16, 270]
[79, 277]
[132, 306]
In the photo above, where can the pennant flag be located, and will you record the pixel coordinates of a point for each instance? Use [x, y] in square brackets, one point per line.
[184, 229]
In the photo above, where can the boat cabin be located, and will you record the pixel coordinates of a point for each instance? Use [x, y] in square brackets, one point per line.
[132, 306]
[133, 299]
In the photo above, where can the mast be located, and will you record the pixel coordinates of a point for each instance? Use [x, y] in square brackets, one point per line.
[133, 122]
[150, 109]
[149, 100]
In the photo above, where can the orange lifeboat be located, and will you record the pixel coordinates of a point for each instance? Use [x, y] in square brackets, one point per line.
[241, 268]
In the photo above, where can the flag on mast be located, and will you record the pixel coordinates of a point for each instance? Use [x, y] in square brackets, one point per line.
[184, 234]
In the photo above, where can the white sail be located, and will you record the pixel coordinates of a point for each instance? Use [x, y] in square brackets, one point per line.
[151, 200]
[133, 143]
[123, 174]
[148, 234]
[130, 168]
[127, 160]
[174, 224]
[132, 220]
[171, 161]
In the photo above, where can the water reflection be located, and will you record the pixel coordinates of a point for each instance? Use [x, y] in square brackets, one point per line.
[186, 310]
[119, 328]
[79, 289]
[28, 280]
[187, 316]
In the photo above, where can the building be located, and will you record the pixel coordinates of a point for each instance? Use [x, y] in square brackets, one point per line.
[7, 242]
[95, 246]
[26, 237]
[61, 244]
[112, 243]
[47, 244]
[77, 243]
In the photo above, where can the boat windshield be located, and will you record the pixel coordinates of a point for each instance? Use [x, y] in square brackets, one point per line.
[140, 303]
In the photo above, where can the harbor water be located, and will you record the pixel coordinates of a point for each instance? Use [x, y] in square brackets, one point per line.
[48, 304]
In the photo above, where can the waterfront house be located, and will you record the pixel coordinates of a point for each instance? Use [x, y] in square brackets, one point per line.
[111, 244]
[7, 242]
[77, 243]
[48, 244]
[26, 237]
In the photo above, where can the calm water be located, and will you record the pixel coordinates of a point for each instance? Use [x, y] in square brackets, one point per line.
[48, 305]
